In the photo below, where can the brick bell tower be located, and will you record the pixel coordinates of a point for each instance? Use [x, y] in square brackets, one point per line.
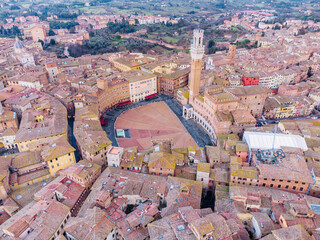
[197, 52]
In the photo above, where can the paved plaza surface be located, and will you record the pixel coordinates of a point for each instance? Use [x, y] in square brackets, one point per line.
[197, 132]
[150, 122]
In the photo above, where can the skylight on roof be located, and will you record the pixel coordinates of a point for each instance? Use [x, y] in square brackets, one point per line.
[180, 227]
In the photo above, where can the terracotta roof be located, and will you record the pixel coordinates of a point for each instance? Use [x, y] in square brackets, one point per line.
[249, 90]
[71, 191]
[243, 116]
[33, 175]
[189, 214]
[24, 159]
[56, 149]
[88, 131]
[43, 218]
[265, 223]
[10, 91]
[82, 169]
[242, 147]
[202, 225]
[94, 225]
[9, 132]
[161, 230]
[137, 75]
[295, 232]
[203, 167]
[246, 173]
[221, 228]
[269, 237]
[177, 74]
[293, 167]
[53, 124]
[219, 175]
[213, 153]
[8, 116]
[162, 160]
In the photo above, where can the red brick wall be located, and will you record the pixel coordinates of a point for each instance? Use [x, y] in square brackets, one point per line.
[248, 81]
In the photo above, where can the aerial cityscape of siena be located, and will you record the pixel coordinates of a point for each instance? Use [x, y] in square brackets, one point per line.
[159, 120]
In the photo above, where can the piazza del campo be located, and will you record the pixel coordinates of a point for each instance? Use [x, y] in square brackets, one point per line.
[150, 120]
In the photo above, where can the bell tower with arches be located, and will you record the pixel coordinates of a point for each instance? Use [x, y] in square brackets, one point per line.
[197, 52]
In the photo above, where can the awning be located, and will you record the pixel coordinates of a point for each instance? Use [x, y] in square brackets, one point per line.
[150, 96]
[103, 121]
[124, 103]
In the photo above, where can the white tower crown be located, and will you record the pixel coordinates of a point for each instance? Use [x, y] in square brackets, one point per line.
[197, 47]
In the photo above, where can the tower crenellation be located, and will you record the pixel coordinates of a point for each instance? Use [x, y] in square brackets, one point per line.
[197, 47]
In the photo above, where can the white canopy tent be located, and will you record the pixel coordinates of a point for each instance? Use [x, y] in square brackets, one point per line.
[265, 141]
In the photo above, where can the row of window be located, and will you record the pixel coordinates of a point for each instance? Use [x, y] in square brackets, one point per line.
[58, 165]
[153, 173]
[69, 154]
[286, 187]
[280, 180]
[250, 184]
[142, 82]
[245, 179]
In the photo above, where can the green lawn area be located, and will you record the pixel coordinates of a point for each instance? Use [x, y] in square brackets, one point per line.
[117, 40]
[151, 36]
[171, 39]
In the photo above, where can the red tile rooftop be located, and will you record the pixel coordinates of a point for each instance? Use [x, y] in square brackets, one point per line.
[151, 122]
[10, 91]
[114, 150]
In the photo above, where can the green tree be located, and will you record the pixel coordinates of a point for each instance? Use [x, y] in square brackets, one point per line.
[60, 25]
[51, 32]
[302, 31]
[309, 74]
[52, 42]
[42, 43]
[211, 43]
[117, 37]
[14, 7]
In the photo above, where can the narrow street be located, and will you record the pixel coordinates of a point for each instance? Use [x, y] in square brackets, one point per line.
[72, 138]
